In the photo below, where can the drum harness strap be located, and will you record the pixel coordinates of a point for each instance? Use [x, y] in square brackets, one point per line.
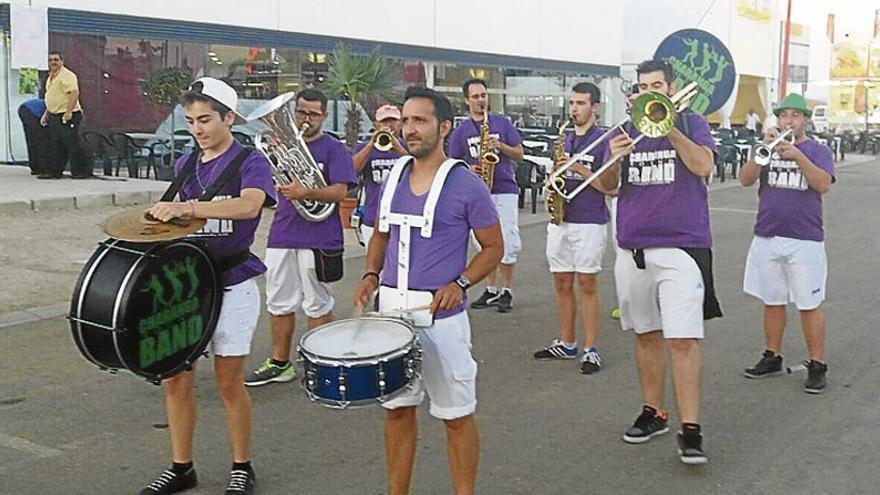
[405, 222]
[226, 262]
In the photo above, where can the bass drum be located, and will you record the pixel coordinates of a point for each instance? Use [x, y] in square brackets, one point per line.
[150, 309]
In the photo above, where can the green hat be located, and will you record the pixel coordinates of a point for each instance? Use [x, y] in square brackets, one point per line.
[794, 101]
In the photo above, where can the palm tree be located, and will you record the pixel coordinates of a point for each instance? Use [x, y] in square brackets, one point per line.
[357, 79]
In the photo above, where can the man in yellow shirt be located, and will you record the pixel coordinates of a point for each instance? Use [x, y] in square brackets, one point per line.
[63, 116]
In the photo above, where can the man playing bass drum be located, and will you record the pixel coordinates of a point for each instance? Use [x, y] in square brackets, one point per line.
[233, 218]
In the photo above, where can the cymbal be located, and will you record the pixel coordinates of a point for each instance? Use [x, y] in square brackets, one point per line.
[134, 226]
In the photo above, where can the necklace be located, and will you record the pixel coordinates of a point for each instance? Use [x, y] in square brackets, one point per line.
[210, 178]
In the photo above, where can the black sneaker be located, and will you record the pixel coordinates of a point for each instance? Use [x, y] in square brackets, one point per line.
[690, 445]
[172, 482]
[557, 350]
[505, 301]
[770, 364]
[590, 361]
[815, 383]
[241, 482]
[486, 299]
[648, 425]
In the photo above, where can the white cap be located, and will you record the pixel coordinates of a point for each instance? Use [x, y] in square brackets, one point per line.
[220, 92]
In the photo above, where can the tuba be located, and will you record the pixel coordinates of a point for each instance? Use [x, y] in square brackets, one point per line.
[487, 158]
[555, 201]
[288, 154]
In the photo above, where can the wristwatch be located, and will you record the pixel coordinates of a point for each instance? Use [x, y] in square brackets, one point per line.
[463, 282]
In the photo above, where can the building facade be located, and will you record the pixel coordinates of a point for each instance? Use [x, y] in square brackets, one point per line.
[530, 53]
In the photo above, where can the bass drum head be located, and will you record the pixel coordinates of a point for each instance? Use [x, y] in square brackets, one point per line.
[170, 310]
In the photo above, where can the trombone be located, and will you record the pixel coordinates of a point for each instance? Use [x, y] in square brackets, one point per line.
[761, 152]
[653, 115]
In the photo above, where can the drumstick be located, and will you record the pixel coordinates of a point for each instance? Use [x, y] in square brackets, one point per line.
[797, 367]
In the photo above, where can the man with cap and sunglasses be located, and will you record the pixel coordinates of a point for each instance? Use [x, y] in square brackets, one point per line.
[376, 164]
[786, 261]
[233, 215]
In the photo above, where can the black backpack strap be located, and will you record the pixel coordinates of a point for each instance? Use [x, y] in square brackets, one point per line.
[227, 175]
[177, 183]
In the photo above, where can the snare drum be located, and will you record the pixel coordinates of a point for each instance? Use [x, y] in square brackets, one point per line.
[149, 308]
[358, 361]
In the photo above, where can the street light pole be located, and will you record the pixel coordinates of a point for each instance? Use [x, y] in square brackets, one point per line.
[784, 78]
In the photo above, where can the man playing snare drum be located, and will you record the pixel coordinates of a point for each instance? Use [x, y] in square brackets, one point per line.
[210, 113]
[440, 203]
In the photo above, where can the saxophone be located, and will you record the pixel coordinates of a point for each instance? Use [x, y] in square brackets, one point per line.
[555, 201]
[487, 158]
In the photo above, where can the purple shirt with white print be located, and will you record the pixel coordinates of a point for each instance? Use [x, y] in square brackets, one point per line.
[662, 203]
[464, 144]
[225, 237]
[589, 205]
[375, 172]
[464, 205]
[788, 206]
[289, 229]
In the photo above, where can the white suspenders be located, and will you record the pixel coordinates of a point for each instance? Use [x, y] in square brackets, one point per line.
[424, 222]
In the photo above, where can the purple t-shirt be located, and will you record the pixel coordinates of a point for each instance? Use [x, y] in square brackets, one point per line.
[464, 204]
[289, 229]
[589, 205]
[788, 207]
[661, 203]
[464, 144]
[225, 237]
[375, 172]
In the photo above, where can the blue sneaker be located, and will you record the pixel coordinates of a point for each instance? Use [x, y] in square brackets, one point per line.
[557, 350]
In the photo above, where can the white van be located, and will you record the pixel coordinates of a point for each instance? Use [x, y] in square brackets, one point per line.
[820, 118]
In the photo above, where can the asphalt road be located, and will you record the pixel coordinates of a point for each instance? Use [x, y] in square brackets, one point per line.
[66, 428]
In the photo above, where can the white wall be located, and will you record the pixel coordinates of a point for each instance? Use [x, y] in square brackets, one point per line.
[752, 44]
[540, 29]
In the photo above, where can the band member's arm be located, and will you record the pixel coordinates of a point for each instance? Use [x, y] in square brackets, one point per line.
[333, 193]
[515, 153]
[244, 207]
[375, 256]
[360, 158]
[697, 158]
[483, 263]
[750, 172]
[619, 146]
[817, 179]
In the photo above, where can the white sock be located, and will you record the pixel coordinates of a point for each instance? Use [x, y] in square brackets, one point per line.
[506, 289]
[570, 345]
[492, 289]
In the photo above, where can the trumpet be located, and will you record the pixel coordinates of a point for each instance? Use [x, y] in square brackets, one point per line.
[653, 115]
[383, 141]
[761, 152]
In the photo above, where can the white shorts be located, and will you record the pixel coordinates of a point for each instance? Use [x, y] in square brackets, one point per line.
[576, 247]
[780, 270]
[366, 234]
[238, 319]
[507, 207]
[449, 372]
[292, 283]
[667, 295]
